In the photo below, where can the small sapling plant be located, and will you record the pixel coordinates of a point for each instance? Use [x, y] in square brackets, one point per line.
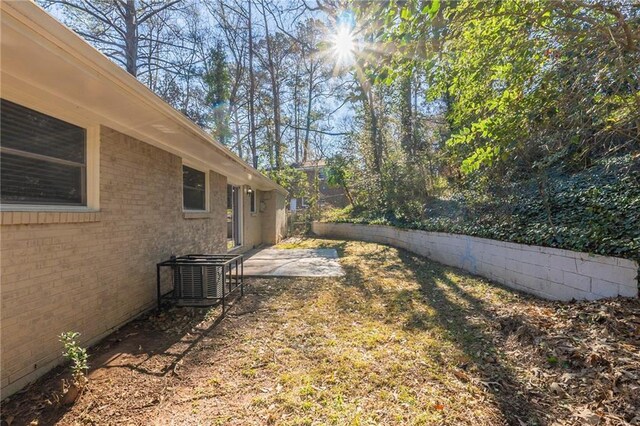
[76, 354]
[79, 366]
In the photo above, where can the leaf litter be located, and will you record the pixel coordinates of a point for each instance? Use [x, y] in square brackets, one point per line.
[398, 340]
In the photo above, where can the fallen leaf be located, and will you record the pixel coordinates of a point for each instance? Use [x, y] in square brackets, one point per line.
[461, 375]
[555, 387]
[589, 416]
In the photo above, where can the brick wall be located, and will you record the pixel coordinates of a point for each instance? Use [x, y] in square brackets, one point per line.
[546, 272]
[92, 272]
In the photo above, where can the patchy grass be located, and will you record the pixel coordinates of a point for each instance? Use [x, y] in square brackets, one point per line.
[398, 340]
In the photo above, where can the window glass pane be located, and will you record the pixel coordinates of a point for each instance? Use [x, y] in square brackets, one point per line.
[31, 131]
[28, 180]
[193, 178]
[194, 199]
[193, 188]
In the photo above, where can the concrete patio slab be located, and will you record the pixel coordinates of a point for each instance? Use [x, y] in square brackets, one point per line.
[272, 262]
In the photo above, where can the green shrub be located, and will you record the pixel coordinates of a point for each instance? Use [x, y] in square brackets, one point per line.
[595, 211]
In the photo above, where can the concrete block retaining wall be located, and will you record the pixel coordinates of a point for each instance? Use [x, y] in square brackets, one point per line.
[546, 272]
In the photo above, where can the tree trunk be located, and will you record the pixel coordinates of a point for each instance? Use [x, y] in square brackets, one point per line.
[375, 140]
[305, 147]
[348, 194]
[296, 116]
[131, 37]
[275, 93]
[406, 111]
[252, 86]
[236, 126]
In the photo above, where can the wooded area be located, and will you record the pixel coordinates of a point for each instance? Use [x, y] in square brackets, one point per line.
[504, 119]
[526, 125]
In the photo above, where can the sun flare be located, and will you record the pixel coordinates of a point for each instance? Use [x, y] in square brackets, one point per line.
[343, 45]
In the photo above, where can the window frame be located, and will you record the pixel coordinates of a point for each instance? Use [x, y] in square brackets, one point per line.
[207, 186]
[91, 194]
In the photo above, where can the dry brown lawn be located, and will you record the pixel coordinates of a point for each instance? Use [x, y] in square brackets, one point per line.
[399, 340]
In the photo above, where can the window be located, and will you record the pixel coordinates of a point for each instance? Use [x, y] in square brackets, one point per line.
[194, 189]
[43, 160]
[253, 201]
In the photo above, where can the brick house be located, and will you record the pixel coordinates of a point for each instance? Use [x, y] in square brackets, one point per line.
[327, 196]
[101, 179]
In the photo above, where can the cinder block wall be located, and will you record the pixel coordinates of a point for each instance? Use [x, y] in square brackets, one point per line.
[546, 272]
[92, 272]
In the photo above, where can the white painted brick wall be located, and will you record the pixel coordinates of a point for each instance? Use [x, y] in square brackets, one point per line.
[546, 272]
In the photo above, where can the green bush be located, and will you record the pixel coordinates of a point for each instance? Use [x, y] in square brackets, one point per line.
[595, 211]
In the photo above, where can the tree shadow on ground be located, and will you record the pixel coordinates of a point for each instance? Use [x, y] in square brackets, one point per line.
[453, 307]
[153, 345]
[354, 278]
[577, 344]
[443, 295]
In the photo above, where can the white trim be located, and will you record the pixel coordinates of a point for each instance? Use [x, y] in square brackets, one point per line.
[92, 152]
[197, 214]
[207, 187]
[93, 167]
[45, 208]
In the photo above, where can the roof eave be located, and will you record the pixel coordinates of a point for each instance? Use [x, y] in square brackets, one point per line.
[41, 31]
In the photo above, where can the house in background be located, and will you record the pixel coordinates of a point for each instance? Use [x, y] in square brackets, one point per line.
[101, 179]
[317, 178]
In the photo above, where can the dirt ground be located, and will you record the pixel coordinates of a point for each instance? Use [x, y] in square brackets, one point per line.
[398, 340]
